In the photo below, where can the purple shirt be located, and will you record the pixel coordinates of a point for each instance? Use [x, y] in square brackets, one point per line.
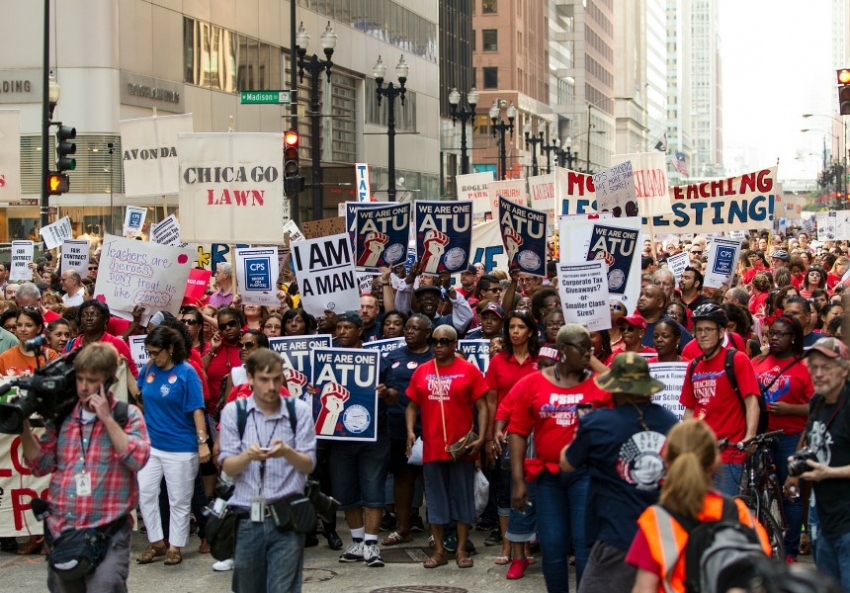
[220, 299]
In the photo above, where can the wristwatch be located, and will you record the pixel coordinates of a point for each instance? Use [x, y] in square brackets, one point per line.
[202, 439]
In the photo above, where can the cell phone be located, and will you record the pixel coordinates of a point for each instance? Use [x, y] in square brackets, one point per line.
[107, 385]
[265, 449]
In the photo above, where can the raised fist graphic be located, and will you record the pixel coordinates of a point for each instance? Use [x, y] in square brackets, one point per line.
[375, 243]
[513, 240]
[333, 398]
[295, 382]
[435, 244]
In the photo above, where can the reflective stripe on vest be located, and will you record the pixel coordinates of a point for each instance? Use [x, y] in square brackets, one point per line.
[668, 539]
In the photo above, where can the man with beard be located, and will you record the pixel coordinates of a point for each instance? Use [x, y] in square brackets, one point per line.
[691, 286]
[651, 304]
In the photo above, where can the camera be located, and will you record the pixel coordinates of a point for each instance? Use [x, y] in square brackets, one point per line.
[798, 465]
[50, 392]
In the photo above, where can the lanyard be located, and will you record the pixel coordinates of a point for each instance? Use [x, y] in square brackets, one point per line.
[263, 463]
[83, 438]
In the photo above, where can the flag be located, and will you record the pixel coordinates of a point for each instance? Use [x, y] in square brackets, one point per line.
[662, 143]
[679, 163]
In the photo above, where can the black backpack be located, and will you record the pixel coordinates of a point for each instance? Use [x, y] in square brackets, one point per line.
[729, 366]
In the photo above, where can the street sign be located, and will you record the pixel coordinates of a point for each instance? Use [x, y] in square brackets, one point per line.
[266, 97]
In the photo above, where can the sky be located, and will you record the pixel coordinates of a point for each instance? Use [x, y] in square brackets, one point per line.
[777, 65]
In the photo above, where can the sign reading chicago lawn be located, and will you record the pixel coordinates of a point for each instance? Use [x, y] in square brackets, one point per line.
[231, 187]
[345, 406]
[382, 235]
[326, 274]
[443, 236]
[524, 237]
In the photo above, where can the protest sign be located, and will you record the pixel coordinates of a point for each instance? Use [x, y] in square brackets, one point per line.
[574, 192]
[324, 227]
[230, 187]
[477, 352]
[295, 233]
[524, 237]
[381, 239]
[17, 489]
[345, 405]
[672, 374]
[22, 255]
[138, 351]
[350, 221]
[723, 257]
[649, 171]
[326, 274]
[541, 190]
[842, 225]
[385, 346]
[296, 352]
[826, 225]
[196, 286]
[510, 189]
[75, 256]
[142, 273]
[134, 220]
[364, 192]
[487, 246]
[54, 234]
[443, 235]
[615, 191]
[473, 188]
[735, 203]
[149, 147]
[10, 156]
[584, 294]
[166, 232]
[677, 264]
[256, 275]
[616, 241]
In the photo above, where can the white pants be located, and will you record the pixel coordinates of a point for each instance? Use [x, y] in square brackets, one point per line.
[179, 470]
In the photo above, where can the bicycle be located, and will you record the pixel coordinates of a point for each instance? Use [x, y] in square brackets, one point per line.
[760, 489]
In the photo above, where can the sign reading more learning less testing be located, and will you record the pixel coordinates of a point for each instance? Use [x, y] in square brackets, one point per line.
[266, 97]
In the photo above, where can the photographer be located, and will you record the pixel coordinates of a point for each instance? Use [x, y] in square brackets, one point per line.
[94, 460]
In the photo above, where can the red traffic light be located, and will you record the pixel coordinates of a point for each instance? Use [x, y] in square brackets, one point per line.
[57, 183]
[843, 76]
[291, 138]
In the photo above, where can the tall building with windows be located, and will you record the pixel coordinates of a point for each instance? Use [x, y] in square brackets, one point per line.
[123, 60]
[706, 89]
[680, 140]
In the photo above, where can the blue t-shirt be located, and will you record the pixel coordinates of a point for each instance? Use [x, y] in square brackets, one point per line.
[170, 399]
[625, 464]
[397, 368]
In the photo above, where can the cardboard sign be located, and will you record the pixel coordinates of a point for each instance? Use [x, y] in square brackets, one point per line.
[313, 229]
[167, 232]
[385, 346]
[296, 352]
[345, 406]
[381, 239]
[134, 220]
[75, 256]
[615, 191]
[326, 276]
[677, 264]
[541, 189]
[649, 171]
[723, 257]
[22, 255]
[443, 235]
[54, 234]
[149, 146]
[142, 273]
[10, 156]
[584, 294]
[19, 487]
[477, 352]
[524, 237]
[510, 189]
[473, 188]
[196, 286]
[672, 374]
[256, 275]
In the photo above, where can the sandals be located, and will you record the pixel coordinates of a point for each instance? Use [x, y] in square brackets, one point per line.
[502, 560]
[396, 538]
[436, 560]
[151, 552]
[464, 561]
[173, 557]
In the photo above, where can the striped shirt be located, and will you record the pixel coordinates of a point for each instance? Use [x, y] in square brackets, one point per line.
[113, 476]
[280, 478]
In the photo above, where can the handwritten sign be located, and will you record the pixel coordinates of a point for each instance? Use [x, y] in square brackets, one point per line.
[473, 188]
[22, 255]
[75, 256]
[138, 351]
[615, 190]
[54, 234]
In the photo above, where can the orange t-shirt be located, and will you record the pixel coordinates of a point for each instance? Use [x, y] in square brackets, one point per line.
[15, 362]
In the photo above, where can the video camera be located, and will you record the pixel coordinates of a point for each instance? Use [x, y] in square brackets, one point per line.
[50, 392]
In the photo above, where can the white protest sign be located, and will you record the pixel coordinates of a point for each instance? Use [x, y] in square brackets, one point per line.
[134, 220]
[326, 276]
[295, 233]
[142, 273]
[826, 225]
[510, 189]
[54, 234]
[149, 147]
[138, 351]
[75, 256]
[677, 264]
[19, 487]
[166, 232]
[649, 170]
[256, 275]
[615, 190]
[672, 374]
[584, 294]
[473, 187]
[361, 173]
[542, 191]
[842, 225]
[723, 257]
[22, 255]
[477, 352]
[10, 156]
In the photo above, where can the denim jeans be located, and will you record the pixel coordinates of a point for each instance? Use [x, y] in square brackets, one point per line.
[793, 508]
[832, 557]
[267, 560]
[561, 510]
[727, 478]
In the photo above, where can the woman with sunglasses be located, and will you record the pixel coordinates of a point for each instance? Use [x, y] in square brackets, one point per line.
[273, 325]
[618, 309]
[786, 386]
[223, 354]
[238, 377]
[815, 279]
[174, 414]
[192, 318]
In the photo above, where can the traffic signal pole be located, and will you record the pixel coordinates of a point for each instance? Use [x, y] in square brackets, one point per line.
[45, 118]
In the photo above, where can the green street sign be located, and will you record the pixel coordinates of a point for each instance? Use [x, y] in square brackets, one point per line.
[266, 97]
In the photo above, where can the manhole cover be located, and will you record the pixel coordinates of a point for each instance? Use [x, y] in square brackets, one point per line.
[419, 589]
[317, 575]
[406, 555]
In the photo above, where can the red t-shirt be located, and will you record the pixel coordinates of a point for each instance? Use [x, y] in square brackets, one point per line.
[711, 397]
[504, 372]
[832, 281]
[551, 412]
[116, 326]
[643, 350]
[458, 385]
[797, 281]
[120, 345]
[748, 274]
[53, 315]
[730, 340]
[794, 386]
[757, 303]
[225, 359]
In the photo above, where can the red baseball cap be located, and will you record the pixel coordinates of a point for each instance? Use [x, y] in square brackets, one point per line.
[635, 320]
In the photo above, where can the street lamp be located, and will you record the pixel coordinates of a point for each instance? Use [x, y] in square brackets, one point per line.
[463, 115]
[500, 127]
[315, 67]
[565, 158]
[549, 148]
[391, 92]
[534, 141]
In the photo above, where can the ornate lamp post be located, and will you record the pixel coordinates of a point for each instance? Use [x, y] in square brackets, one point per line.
[463, 115]
[391, 92]
[499, 128]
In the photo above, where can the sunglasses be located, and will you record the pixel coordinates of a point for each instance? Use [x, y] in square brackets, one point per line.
[442, 342]
[229, 325]
[189, 321]
[247, 345]
[618, 307]
[696, 252]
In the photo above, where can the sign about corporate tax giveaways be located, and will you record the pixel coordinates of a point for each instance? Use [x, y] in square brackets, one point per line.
[583, 288]
[345, 405]
[256, 275]
[327, 279]
[382, 235]
[167, 232]
[297, 355]
[142, 273]
[672, 374]
[524, 237]
[75, 256]
[443, 236]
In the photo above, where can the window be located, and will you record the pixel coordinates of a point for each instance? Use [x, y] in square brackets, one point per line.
[489, 6]
[490, 39]
[474, 45]
[491, 78]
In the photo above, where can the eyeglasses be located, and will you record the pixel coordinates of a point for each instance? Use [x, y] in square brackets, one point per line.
[777, 334]
[554, 325]
[91, 315]
[618, 307]
[271, 326]
[229, 325]
[93, 269]
[190, 321]
[442, 342]
[705, 330]
[153, 353]
[247, 345]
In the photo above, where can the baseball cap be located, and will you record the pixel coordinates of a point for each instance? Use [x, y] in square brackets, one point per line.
[470, 270]
[635, 320]
[780, 254]
[350, 317]
[831, 348]
[493, 308]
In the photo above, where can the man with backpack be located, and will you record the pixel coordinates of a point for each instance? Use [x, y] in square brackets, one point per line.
[721, 389]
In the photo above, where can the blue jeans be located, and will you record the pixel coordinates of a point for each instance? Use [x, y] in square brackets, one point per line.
[832, 557]
[561, 510]
[793, 509]
[359, 473]
[267, 560]
[727, 478]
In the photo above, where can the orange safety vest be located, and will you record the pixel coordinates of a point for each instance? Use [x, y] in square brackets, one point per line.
[667, 538]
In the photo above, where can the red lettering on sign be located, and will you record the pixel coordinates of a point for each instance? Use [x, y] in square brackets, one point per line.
[249, 197]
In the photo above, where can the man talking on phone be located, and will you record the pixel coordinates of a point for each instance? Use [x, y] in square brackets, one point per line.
[94, 454]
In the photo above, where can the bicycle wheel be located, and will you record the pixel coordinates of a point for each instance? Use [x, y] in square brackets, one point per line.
[775, 533]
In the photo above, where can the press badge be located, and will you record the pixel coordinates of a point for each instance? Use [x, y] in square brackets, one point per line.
[83, 481]
[258, 508]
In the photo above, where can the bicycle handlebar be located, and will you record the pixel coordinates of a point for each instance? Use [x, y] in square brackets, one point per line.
[762, 440]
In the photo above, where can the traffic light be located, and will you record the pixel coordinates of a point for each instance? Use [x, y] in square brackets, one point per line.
[64, 148]
[57, 184]
[292, 181]
[843, 76]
